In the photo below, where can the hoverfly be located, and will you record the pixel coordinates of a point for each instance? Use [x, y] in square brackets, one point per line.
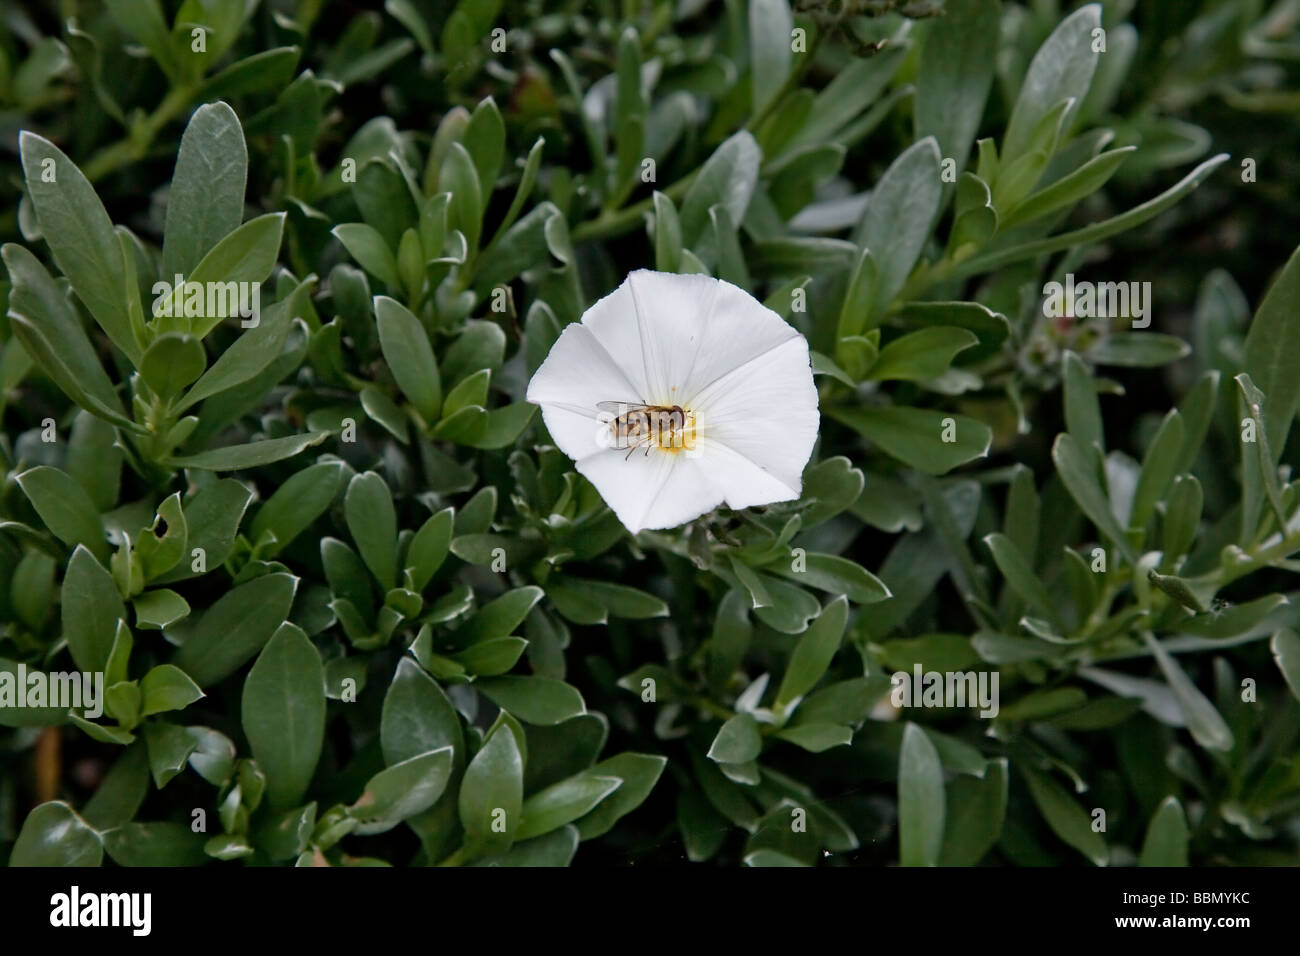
[637, 424]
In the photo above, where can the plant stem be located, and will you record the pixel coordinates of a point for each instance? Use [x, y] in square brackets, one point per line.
[137, 142]
[610, 224]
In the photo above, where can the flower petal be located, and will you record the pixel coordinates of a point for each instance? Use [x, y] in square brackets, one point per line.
[766, 412]
[650, 491]
[615, 326]
[741, 481]
[579, 371]
[576, 433]
[694, 329]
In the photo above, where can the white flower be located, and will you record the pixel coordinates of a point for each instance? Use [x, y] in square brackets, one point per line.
[734, 410]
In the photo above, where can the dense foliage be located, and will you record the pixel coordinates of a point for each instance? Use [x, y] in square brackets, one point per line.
[350, 604]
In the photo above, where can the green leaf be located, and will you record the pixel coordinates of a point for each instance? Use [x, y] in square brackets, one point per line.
[922, 355]
[246, 255]
[1066, 191]
[752, 582]
[402, 790]
[252, 455]
[639, 773]
[1247, 617]
[154, 844]
[1138, 349]
[1094, 233]
[499, 617]
[429, 548]
[1180, 589]
[843, 702]
[534, 700]
[409, 356]
[1286, 652]
[235, 628]
[65, 509]
[213, 758]
[169, 750]
[166, 688]
[977, 807]
[1066, 818]
[956, 71]
[828, 572]
[172, 361]
[1271, 355]
[917, 436]
[1167, 836]
[53, 835]
[120, 793]
[564, 802]
[480, 345]
[282, 836]
[551, 850]
[94, 460]
[92, 608]
[791, 609]
[212, 517]
[283, 714]
[496, 655]
[859, 299]
[367, 246]
[832, 485]
[667, 234]
[492, 793]
[417, 716]
[1061, 69]
[296, 504]
[268, 70]
[1021, 578]
[899, 215]
[1259, 465]
[527, 180]
[142, 20]
[816, 737]
[206, 199]
[503, 426]
[45, 322]
[460, 178]
[122, 703]
[1182, 517]
[813, 654]
[620, 600]
[920, 800]
[368, 507]
[1206, 725]
[737, 741]
[1079, 476]
[80, 235]
[727, 178]
[854, 87]
[1082, 410]
[249, 355]
[485, 139]
[1157, 469]
[770, 55]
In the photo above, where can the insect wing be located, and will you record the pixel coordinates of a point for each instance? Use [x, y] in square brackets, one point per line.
[620, 408]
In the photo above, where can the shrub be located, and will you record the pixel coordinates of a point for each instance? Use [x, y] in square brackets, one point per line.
[274, 301]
